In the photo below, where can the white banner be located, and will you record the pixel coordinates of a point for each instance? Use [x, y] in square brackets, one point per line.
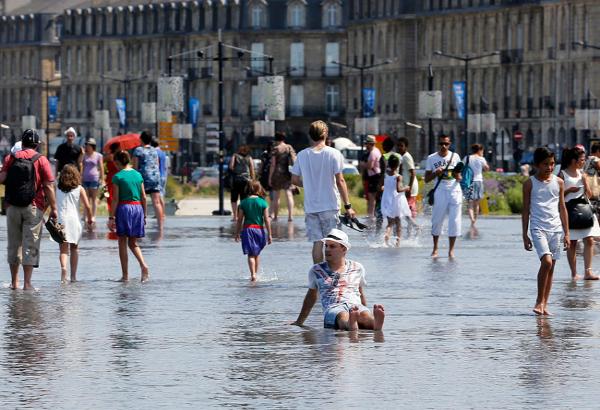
[365, 126]
[182, 131]
[164, 116]
[581, 119]
[272, 97]
[101, 119]
[488, 122]
[264, 128]
[474, 123]
[430, 104]
[594, 119]
[28, 122]
[148, 112]
[170, 94]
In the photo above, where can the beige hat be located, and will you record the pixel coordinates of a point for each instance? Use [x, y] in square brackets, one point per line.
[336, 235]
[91, 141]
[370, 139]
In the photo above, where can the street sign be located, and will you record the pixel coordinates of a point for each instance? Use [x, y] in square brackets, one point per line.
[365, 126]
[430, 104]
[581, 119]
[149, 112]
[212, 141]
[101, 119]
[182, 131]
[488, 122]
[28, 122]
[594, 119]
[264, 128]
[518, 135]
[474, 123]
[166, 139]
[170, 94]
[272, 97]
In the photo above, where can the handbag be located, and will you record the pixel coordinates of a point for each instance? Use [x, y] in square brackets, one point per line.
[56, 230]
[431, 194]
[580, 212]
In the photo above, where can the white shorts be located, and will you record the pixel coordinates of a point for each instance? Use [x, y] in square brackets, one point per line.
[318, 224]
[448, 203]
[547, 243]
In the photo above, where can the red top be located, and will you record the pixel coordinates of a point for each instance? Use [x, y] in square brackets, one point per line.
[111, 171]
[43, 174]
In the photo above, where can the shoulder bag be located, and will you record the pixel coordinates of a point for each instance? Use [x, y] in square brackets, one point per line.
[431, 194]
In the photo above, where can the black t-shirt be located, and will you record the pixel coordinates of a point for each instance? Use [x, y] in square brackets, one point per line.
[67, 154]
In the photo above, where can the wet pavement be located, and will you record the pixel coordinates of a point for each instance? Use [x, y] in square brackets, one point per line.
[458, 334]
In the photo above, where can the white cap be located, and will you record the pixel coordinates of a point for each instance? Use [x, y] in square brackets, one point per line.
[16, 148]
[71, 129]
[335, 235]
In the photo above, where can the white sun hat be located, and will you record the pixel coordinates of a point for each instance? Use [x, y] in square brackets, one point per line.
[335, 235]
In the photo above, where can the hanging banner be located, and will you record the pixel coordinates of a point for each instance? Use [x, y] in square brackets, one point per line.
[594, 119]
[149, 113]
[369, 102]
[366, 126]
[430, 104]
[101, 119]
[272, 97]
[459, 98]
[121, 111]
[182, 131]
[194, 111]
[488, 122]
[264, 129]
[52, 108]
[28, 122]
[170, 94]
[474, 123]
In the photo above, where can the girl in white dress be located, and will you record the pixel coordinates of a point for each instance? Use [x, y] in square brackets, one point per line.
[394, 205]
[576, 185]
[68, 197]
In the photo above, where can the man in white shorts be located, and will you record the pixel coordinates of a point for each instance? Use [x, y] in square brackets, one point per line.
[340, 282]
[319, 170]
[448, 195]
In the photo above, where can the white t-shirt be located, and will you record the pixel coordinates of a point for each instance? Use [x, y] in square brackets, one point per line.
[318, 170]
[476, 163]
[408, 163]
[435, 161]
[335, 288]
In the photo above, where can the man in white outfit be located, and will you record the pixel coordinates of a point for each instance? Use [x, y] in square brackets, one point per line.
[448, 195]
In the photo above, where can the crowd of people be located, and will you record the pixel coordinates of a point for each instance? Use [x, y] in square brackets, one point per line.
[558, 209]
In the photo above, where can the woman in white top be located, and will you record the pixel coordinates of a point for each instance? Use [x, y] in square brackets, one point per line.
[478, 165]
[576, 185]
[68, 196]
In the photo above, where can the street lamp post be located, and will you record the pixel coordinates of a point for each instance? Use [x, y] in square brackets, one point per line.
[47, 89]
[361, 69]
[430, 120]
[466, 59]
[125, 81]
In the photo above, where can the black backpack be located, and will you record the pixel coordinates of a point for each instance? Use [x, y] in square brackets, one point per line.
[20, 181]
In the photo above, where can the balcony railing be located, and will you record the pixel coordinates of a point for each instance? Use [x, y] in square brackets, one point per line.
[331, 71]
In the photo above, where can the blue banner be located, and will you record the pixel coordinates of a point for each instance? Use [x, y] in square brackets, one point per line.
[194, 111]
[459, 97]
[121, 111]
[369, 102]
[52, 108]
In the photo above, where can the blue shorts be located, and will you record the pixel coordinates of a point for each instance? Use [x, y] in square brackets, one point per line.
[253, 241]
[91, 184]
[330, 315]
[477, 193]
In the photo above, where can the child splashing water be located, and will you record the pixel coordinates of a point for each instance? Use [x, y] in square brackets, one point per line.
[394, 205]
[68, 196]
[253, 216]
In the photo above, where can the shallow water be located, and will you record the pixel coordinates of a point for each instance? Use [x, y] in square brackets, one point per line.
[458, 334]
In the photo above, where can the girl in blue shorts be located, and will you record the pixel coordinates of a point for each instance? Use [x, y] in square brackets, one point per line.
[252, 220]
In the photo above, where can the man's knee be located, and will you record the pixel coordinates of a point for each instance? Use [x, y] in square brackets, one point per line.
[546, 261]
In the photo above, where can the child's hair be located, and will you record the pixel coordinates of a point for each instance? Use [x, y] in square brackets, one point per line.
[388, 144]
[318, 131]
[69, 178]
[541, 154]
[569, 155]
[393, 162]
[475, 148]
[255, 188]
[122, 157]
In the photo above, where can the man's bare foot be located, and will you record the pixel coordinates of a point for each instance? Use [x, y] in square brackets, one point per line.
[353, 319]
[253, 277]
[451, 255]
[575, 278]
[14, 287]
[145, 275]
[379, 315]
[123, 279]
[589, 275]
[73, 278]
[538, 309]
[397, 243]
[28, 286]
[546, 313]
[434, 254]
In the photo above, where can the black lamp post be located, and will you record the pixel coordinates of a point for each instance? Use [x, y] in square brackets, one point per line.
[466, 59]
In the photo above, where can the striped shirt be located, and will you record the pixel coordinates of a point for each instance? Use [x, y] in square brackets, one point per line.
[337, 287]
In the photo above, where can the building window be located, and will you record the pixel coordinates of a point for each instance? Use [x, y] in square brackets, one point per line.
[296, 101]
[57, 65]
[332, 53]
[257, 16]
[297, 59]
[332, 15]
[257, 64]
[296, 16]
[254, 101]
[332, 98]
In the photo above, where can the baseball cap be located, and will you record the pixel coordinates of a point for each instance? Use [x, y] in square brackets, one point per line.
[30, 137]
[370, 139]
[91, 141]
[335, 235]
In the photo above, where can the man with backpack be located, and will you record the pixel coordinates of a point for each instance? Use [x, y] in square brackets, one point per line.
[472, 179]
[28, 178]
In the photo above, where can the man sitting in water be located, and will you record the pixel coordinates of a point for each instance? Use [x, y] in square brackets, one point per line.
[340, 284]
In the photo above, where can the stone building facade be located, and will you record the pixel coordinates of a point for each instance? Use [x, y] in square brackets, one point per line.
[534, 85]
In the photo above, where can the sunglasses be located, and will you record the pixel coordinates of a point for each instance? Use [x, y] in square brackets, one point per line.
[445, 144]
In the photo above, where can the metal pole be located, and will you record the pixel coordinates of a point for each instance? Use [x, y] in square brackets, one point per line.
[47, 118]
[503, 165]
[221, 141]
[466, 119]
[362, 107]
[170, 65]
[430, 120]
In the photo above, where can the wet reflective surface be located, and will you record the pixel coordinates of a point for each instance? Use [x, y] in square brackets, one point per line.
[458, 334]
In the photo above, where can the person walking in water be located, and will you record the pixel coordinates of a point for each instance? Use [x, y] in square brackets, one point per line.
[128, 213]
[576, 186]
[476, 161]
[545, 217]
[145, 160]
[282, 158]
[319, 170]
[447, 196]
[93, 174]
[340, 283]
[253, 218]
[241, 168]
[394, 205]
[69, 195]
